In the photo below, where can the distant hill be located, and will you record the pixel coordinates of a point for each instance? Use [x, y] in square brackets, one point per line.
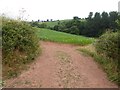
[53, 23]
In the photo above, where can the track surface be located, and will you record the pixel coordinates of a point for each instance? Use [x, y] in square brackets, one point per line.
[61, 66]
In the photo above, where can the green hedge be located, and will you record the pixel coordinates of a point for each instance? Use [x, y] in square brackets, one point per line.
[108, 44]
[19, 44]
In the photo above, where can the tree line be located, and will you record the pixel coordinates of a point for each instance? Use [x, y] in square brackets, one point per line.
[92, 26]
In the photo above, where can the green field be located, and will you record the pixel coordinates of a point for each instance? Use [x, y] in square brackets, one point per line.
[50, 24]
[60, 37]
[53, 23]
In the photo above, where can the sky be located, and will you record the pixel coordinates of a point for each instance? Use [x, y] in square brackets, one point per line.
[55, 9]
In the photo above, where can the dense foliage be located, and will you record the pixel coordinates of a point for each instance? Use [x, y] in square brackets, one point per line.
[109, 45]
[92, 26]
[20, 44]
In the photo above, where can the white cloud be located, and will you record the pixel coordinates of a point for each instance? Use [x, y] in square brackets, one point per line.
[56, 9]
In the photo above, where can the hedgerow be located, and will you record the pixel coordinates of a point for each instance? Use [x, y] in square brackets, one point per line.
[108, 45]
[19, 45]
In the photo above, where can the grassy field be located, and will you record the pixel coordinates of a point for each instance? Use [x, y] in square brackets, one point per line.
[60, 37]
[53, 23]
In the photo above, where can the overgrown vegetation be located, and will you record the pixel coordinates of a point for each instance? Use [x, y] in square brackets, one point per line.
[60, 37]
[19, 46]
[108, 65]
[107, 53]
[108, 44]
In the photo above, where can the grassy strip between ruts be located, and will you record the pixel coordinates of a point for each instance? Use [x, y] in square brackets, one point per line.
[60, 37]
[109, 66]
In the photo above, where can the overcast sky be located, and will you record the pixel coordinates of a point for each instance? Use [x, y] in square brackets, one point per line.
[55, 9]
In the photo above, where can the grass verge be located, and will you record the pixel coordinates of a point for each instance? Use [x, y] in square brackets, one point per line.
[108, 65]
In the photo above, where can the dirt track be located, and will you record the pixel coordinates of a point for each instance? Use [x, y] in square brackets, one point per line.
[61, 66]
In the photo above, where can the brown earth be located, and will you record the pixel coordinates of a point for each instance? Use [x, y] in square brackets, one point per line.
[61, 66]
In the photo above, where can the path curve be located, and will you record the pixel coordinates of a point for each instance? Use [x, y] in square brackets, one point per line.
[61, 66]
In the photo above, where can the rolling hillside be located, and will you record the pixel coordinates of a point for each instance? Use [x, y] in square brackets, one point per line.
[53, 23]
[49, 35]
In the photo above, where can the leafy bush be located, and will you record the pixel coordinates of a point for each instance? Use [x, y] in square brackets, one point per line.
[19, 44]
[108, 45]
